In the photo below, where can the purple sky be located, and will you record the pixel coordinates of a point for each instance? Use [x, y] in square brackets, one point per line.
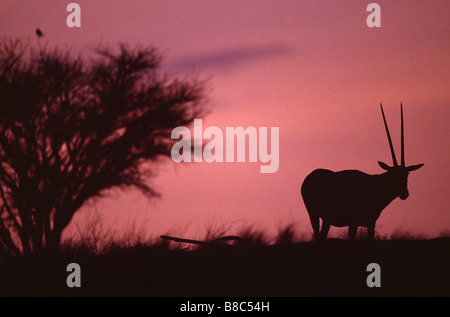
[312, 68]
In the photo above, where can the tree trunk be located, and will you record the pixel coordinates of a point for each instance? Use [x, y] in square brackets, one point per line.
[53, 240]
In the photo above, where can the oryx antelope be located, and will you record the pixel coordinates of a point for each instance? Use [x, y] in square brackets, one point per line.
[353, 198]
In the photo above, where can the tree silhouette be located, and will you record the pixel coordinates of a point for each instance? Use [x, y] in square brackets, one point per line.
[71, 129]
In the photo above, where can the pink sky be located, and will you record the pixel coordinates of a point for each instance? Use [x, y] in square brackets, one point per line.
[312, 68]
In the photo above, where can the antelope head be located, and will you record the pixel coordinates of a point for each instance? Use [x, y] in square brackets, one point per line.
[399, 172]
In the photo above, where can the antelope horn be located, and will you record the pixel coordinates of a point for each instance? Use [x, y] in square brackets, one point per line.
[403, 140]
[389, 138]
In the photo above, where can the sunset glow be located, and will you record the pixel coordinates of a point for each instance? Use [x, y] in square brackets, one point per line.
[314, 69]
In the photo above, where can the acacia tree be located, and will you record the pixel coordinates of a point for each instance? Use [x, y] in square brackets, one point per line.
[71, 129]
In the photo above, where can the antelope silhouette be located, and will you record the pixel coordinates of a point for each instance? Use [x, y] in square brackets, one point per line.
[353, 198]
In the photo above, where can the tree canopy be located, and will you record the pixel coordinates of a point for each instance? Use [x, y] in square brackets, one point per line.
[71, 128]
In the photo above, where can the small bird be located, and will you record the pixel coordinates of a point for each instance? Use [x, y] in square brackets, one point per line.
[39, 32]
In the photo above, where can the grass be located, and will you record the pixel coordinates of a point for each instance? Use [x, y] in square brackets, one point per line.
[288, 267]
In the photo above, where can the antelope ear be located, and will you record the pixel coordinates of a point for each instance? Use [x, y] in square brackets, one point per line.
[384, 166]
[414, 167]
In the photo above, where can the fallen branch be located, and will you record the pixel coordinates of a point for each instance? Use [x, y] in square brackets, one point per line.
[214, 242]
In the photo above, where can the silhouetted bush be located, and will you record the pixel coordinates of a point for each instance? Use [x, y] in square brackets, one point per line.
[70, 129]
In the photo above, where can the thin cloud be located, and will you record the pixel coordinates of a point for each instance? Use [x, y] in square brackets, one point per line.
[232, 58]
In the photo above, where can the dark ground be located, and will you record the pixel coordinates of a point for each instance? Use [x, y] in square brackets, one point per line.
[330, 268]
